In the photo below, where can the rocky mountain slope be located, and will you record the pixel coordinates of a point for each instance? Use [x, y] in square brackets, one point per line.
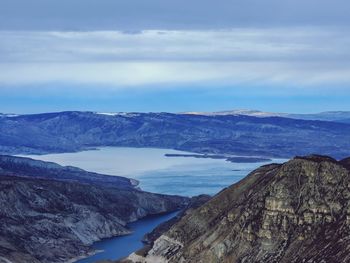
[194, 202]
[227, 134]
[50, 213]
[292, 212]
[27, 167]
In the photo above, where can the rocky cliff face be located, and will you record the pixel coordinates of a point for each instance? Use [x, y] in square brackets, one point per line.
[193, 203]
[294, 212]
[45, 219]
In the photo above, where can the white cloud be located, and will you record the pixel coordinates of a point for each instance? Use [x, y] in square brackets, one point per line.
[293, 56]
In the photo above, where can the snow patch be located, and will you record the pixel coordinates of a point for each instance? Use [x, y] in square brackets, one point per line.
[124, 114]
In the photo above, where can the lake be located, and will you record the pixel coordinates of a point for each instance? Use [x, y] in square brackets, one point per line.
[156, 173]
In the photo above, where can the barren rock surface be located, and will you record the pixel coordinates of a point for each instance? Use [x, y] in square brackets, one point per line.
[293, 212]
[45, 219]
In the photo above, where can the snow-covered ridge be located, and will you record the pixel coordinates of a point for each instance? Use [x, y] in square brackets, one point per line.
[8, 115]
[125, 114]
[254, 113]
[110, 113]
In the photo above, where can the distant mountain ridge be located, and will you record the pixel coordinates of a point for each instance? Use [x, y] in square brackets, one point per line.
[254, 113]
[216, 134]
[339, 116]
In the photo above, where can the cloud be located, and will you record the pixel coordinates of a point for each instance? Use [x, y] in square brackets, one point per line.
[283, 44]
[278, 56]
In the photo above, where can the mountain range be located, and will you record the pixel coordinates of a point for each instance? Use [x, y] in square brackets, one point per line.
[338, 116]
[213, 134]
[53, 213]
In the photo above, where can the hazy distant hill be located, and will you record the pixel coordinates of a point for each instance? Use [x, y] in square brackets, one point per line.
[338, 116]
[230, 134]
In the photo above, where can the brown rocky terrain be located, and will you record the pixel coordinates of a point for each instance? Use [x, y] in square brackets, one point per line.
[298, 211]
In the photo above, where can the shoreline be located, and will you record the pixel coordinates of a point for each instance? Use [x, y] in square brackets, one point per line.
[75, 259]
[95, 252]
[132, 231]
[228, 158]
[185, 153]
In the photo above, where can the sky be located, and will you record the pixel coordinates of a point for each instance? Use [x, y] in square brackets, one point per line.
[176, 56]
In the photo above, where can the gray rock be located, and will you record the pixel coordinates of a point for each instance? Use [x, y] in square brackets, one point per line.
[52, 220]
[294, 212]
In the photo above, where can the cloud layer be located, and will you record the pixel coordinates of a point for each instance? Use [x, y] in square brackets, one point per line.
[280, 56]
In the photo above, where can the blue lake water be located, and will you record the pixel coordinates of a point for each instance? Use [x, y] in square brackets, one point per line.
[156, 173]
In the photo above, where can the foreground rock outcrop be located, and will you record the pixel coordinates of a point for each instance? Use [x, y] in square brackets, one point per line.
[50, 213]
[293, 212]
[194, 202]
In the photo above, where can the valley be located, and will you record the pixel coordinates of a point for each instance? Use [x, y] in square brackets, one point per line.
[173, 159]
[180, 131]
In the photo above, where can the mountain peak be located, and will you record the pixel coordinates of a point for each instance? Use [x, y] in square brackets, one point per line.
[317, 158]
[275, 211]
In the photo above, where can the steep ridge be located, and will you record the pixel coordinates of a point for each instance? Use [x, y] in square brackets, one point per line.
[294, 212]
[27, 167]
[46, 219]
[226, 134]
